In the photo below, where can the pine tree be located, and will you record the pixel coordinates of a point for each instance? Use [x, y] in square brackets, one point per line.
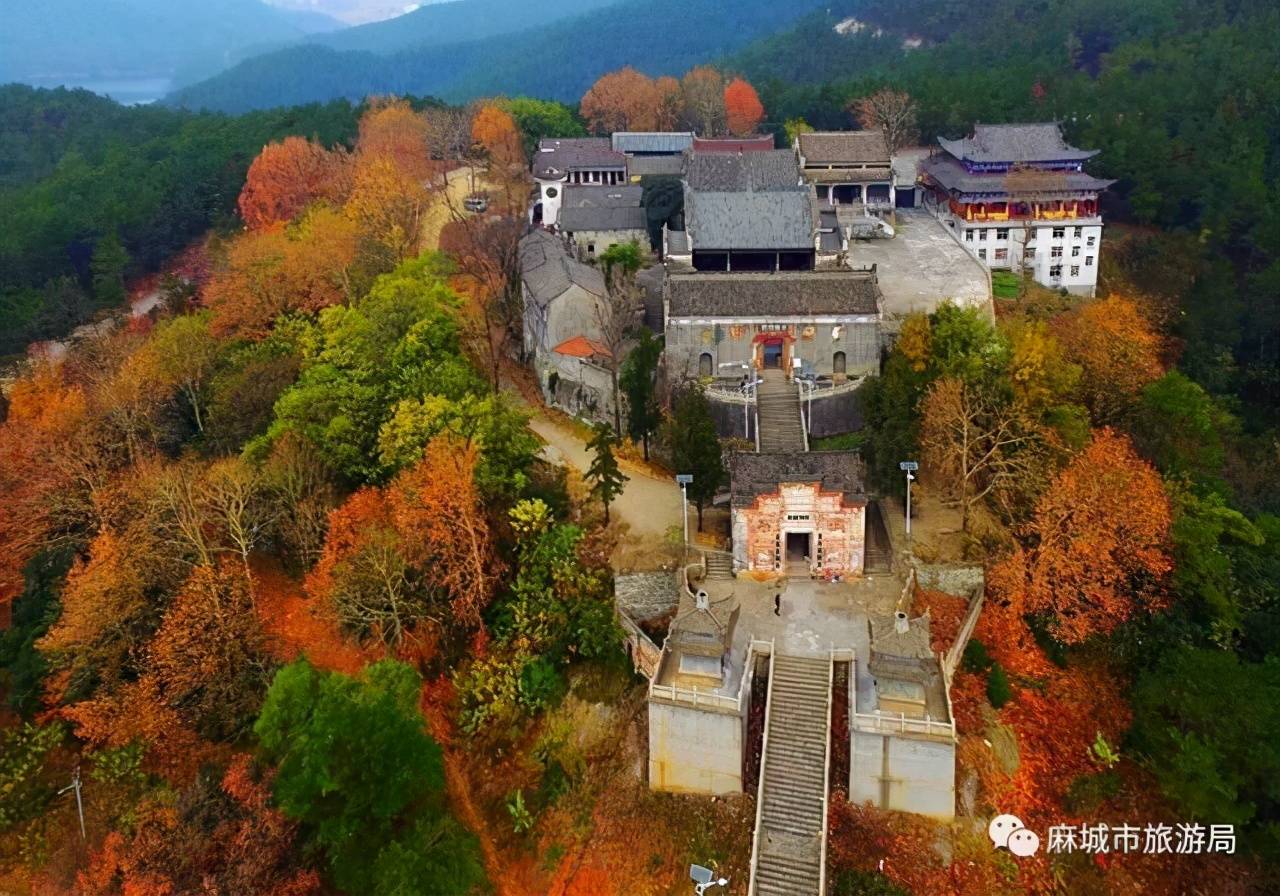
[695, 447]
[638, 383]
[606, 477]
[107, 267]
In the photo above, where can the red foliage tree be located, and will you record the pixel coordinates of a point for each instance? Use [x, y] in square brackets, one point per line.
[1118, 350]
[1100, 541]
[742, 107]
[288, 176]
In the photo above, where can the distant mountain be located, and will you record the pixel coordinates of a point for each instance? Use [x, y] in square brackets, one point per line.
[455, 22]
[555, 61]
[74, 42]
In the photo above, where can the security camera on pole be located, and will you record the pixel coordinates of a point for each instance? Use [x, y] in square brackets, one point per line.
[909, 467]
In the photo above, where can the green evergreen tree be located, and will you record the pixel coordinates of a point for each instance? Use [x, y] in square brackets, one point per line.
[695, 446]
[107, 267]
[604, 474]
[639, 375]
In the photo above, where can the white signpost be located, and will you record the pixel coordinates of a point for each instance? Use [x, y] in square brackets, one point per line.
[683, 480]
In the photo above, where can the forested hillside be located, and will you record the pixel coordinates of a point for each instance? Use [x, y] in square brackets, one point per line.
[92, 192]
[454, 22]
[557, 61]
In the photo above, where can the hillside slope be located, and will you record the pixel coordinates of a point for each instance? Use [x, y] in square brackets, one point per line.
[454, 22]
[557, 61]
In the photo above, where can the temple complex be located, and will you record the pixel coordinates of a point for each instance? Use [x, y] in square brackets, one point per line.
[1018, 198]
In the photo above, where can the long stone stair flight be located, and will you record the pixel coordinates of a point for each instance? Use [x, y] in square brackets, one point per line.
[792, 828]
[778, 406]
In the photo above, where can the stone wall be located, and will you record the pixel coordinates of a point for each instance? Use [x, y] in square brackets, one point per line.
[695, 750]
[729, 419]
[836, 414]
[920, 773]
[948, 578]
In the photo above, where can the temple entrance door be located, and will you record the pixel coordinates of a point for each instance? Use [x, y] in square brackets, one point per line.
[798, 552]
[773, 354]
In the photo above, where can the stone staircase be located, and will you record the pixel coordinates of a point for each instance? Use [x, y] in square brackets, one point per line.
[879, 553]
[719, 564]
[791, 830]
[778, 405]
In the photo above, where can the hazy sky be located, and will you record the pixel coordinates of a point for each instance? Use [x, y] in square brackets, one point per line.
[354, 12]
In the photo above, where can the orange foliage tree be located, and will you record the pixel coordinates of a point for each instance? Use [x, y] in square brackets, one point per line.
[393, 557]
[216, 840]
[271, 271]
[496, 133]
[441, 517]
[625, 100]
[1118, 350]
[1099, 538]
[742, 107]
[393, 131]
[288, 176]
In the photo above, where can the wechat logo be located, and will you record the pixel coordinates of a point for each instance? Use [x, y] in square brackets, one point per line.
[1008, 832]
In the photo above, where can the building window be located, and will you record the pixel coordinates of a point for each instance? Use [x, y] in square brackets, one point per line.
[591, 248]
[982, 254]
[1055, 272]
[1075, 270]
[1059, 233]
[1002, 233]
[1029, 254]
[1088, 261]
[1075, 251]
[1002, 255]
[704, 364]
[1090, 241]
[1075, 233]
[982, 235]
[1055, 252]
[968, 236]
[837, 362]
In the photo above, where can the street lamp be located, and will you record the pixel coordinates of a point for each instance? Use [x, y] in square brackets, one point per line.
[704, 879]
[683, 480]
[909, 467]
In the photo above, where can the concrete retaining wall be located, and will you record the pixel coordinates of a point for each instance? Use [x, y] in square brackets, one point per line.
[837, 414]
[920, 774]
[694, 750]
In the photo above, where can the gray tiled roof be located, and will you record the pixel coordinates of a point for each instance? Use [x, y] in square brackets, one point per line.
[845, 148]
[576, 220]
[666, 142]
[782, 294]
[548, 271]
[952, 175]
[652, 166]
[752, 474]
[556, 156]
[1041, 142]
[775, 169]
[776, 219]
[594, 207]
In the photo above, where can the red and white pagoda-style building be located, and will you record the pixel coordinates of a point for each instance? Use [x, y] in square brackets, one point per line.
[1018, 198]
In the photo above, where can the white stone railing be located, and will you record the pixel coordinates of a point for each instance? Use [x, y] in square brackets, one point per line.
[764, 752]
[877, 722]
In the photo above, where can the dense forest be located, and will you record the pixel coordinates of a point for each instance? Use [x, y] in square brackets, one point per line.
[92, 193]
[296, 599]
[554, 61]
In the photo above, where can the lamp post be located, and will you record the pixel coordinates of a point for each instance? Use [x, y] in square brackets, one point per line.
[909, 467]
[683, 480]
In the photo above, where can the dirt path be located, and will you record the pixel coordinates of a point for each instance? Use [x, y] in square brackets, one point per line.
[458, 185]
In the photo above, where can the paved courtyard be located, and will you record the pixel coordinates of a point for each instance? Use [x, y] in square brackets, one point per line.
[921, 267]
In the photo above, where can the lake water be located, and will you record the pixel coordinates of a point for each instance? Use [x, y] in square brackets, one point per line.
[127, 91]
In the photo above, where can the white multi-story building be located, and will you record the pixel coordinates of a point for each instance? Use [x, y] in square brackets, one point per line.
[1018, 198]
[570, 161]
